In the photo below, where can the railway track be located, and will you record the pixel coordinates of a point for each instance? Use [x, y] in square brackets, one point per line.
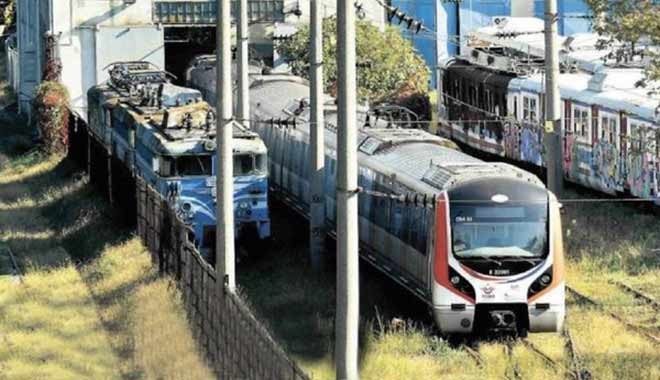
[587, 300]
[578, 370]
[17, 274]
[513, 371]
[637, 294]
[475, 355]
[570, 374]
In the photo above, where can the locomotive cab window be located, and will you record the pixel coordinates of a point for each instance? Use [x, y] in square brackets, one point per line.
[249, 164]
[185, 166]
[515, 231]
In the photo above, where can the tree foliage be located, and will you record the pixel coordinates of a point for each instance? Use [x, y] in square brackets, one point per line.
[386, 62]
[51, 111]
[630, 25]
[9, 14]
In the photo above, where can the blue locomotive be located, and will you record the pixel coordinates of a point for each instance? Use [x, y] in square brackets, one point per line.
[165, 134]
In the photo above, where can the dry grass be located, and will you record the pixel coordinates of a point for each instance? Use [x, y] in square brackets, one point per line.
[91, 305]
[408, 353]
[51, 329]
[609, 350]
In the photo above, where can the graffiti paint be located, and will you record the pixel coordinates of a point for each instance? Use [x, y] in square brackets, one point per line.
[511, 140]
[531, 145]
[569, 153]
[643, 169]
[607, 168]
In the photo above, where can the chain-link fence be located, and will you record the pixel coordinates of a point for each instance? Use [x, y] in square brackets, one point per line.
[234, 341]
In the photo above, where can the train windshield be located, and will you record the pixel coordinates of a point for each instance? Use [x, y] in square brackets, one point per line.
[250, 164]
[499, 231]
[185, 166]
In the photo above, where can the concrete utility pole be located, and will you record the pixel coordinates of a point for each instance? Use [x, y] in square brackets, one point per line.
[243, 84]
[224, 261]
[553, 135]
[348, 306]
[317, 151]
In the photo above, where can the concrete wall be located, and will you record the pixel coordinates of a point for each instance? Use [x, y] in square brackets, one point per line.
[95, 33]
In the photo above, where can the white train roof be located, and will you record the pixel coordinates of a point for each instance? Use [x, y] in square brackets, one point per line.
[613, 89]
[419, 159]
[526, 35]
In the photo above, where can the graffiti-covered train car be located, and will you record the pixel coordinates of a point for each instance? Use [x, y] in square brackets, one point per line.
[610, 131]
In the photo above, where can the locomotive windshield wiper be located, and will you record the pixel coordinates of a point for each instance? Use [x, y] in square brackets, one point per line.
[482, 258]
[531, 260]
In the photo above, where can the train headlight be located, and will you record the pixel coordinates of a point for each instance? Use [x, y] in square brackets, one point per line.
[186, 207]
[244, 209]
[461, 284]
[542, 282]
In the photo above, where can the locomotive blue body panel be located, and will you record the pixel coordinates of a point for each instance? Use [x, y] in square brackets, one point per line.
[166, 135]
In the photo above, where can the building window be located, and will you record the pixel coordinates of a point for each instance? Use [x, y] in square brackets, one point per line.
[264, 10]
[609, 129]
[582, 123]
[530, 111]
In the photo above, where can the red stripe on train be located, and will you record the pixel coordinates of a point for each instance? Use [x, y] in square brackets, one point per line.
[442, 238]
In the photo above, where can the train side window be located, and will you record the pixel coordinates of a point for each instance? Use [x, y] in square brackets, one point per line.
[488, 101]
[582, 123]
[515, 106]
[609, 129]
[529, 108]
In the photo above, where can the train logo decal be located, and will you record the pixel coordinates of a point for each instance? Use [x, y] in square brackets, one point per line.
[488, 292]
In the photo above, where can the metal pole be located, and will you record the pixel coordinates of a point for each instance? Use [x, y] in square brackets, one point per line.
[224, 263]
[553, 134]
[348, 312]
[317, 151]
[243, 84]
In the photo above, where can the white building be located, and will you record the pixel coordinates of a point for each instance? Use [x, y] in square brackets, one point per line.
[92, 34]
[95, 33]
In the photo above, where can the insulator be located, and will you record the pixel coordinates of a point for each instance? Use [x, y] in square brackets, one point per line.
[409, 21]
[401, 16]
[391, 12]
[418, 26]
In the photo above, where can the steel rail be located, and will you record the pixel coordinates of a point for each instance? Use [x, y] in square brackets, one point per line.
[586, 300]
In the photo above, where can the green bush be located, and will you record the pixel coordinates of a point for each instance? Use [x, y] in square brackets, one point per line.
[387, 63]
[51, 112]
[10, 13]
